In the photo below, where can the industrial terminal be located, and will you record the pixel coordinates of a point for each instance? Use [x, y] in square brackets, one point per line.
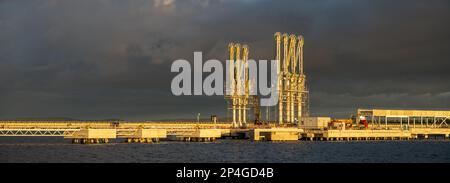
[288, 120]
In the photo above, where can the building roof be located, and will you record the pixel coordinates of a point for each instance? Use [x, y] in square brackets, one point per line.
[397, 112]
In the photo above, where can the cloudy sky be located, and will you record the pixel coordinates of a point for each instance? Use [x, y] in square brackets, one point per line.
[96, 59]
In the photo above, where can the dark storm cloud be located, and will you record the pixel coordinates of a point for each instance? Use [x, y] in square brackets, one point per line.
[111, 59]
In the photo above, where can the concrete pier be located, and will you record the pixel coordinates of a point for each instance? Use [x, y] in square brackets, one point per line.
[392, 134]
[368, 134]
[92, 136]
[276, 134]
[153, 132]
[198, 135]
[146, 135]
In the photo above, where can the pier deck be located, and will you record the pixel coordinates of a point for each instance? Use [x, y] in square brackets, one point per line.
[194, 131]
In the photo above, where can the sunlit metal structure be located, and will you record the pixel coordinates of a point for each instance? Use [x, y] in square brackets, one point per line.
[292, 89]
[37, 132]
[238, 88]
[410, 118]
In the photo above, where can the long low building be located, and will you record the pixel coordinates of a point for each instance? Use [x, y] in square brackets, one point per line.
[408, 118]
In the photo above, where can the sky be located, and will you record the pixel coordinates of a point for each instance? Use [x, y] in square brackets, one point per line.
[101, 59]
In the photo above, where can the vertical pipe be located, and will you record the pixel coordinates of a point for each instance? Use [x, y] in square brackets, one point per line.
[234, 112]
[232, 81]
[285, 53]
[244, 115]
[301, 42]
[238, 83]
[292, 101]
[401, 122]
[292, 53]
[286, 77]
[408, 121]
[292, 88]
[238, 69]
[299, 104]
[288, 101]
[246, 83]
[301, 80]
[385, 120]
[239, 112]
[231, 69]
[280, 76]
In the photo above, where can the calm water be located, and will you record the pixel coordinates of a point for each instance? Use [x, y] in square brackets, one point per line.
[57, 150]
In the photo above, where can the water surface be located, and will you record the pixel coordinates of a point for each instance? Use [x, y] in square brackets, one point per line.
[58, 150]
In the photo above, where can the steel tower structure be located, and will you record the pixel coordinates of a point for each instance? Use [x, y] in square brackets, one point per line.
[292, 90]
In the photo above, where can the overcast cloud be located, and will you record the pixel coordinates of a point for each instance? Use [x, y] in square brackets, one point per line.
[96, 59]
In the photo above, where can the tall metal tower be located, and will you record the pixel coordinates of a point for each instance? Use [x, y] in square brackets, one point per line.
[293, 101]
[238, 88]
[293, 94]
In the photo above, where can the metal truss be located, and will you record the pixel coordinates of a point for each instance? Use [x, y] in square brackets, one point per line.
[442, 122]
[37, 132]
